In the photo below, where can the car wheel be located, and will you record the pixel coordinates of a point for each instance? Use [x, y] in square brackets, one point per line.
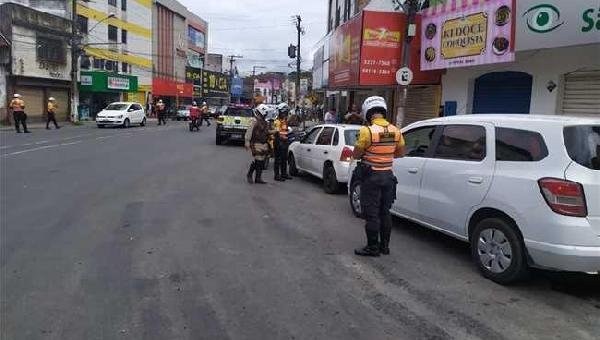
[498, 250]
[292, 165]
[354, 198]
[330, 183]
[218, 140]
[143, 123]
[126, 123]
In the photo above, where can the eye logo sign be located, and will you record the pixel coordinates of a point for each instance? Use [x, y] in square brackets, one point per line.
[543, 18]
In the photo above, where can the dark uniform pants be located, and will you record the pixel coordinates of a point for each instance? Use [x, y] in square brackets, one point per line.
[377, 194]
[20, 118]
[161, 117]
[51, 118]
[281, 158]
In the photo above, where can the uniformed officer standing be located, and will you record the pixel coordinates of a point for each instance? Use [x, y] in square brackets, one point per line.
[281, 143]
[52, 107]
[377, 146]
[256, 138]
[18, 108]
[160, 112]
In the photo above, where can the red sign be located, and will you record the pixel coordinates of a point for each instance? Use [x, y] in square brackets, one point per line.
[344, 54]
[381, 52]
[164, 87]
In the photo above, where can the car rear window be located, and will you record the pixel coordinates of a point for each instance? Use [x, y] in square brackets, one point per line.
[583, 145]
[515, 145]
[351, 136]
[238, 111]
[116, 107]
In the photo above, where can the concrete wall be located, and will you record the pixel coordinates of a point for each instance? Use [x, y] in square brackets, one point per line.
[544, 65]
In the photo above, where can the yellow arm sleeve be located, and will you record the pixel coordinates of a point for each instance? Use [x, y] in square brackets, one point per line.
[364, 138]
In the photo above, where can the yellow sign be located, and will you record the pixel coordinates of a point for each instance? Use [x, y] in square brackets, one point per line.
[465, 36]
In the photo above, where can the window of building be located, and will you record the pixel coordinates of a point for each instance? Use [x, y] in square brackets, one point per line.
[51, 50]
[125, 67]
[123, 5]
[112, 3]
[124, 36]
[82, 24]
[515, 145]
[98, 63]
[196, 38]
[113, 32]
[462, 142]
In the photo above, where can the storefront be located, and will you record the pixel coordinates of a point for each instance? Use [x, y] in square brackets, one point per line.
[364, 55]
[98, 89]
[172, 93]
[36, 91]
[554, 69]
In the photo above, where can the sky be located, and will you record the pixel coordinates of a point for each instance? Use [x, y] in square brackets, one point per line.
[261, 30]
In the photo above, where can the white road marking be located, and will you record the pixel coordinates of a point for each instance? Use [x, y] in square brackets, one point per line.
[5, 147]
[30, 150]
[41, 142]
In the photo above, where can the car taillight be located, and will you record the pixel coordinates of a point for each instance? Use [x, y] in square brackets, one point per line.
[346, 155]
[564, 197]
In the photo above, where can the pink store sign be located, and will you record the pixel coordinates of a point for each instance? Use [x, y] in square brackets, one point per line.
[467, 32]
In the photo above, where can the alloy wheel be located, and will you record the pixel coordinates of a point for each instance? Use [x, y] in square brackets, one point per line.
[495, 251]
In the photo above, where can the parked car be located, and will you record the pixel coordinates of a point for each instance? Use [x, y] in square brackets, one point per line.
[232, 124]
[325, 152]
[121, 114]
[183, 113]
[524, 191]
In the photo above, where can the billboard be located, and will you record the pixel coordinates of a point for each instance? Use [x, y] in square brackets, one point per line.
[344, 53]
[556, 23]
[215, 84]
[381, 48]
[481, 32]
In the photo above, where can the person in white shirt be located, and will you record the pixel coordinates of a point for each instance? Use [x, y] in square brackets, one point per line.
[331, 116]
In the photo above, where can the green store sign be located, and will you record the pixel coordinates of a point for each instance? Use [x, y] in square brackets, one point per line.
[97, 81]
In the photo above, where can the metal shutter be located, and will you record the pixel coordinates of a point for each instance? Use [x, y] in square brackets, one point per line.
[422, 102]
[581, 93]
[34, 102]
[502, 92]
[62, 100]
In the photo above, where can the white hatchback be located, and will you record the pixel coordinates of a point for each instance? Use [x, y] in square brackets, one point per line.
[325, 152]
[522, 190]
[121, 114]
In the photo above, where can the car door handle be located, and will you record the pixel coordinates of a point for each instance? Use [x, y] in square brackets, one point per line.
[325, 152]
[308, 150]
[476, 180]
[413, 170]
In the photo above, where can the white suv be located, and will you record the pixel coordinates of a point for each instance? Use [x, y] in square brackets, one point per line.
[523, 190]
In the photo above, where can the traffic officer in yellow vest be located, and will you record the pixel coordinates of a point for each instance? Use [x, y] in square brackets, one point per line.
[281, 143]
[18, 108]
[256, 141]
[52, 107]
[377, 146]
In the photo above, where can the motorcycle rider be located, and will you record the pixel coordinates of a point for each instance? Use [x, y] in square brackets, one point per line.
[194, 117]
[377, 146]
[281, 143]
[256, 139]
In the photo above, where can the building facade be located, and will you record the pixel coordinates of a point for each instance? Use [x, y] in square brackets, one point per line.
[116, 64]
[36, 60]
[197, 31]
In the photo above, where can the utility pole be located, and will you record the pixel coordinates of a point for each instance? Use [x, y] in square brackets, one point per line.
[74, 63]
[410, 7]
[300, 31]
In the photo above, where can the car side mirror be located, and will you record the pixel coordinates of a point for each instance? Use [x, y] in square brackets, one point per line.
[130, 110]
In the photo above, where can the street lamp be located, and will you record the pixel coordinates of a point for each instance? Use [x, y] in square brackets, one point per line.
[109, 16]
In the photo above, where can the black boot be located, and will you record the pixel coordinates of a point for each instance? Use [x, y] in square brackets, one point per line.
[276, 167]
[259, 170]
[372, 248]
[286, 176]
[251, 172]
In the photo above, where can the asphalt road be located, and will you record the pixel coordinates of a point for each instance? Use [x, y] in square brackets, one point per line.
[152, 233]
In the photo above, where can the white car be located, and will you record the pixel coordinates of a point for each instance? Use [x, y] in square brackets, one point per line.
[121, 114]
[522, 190]
[325, 152]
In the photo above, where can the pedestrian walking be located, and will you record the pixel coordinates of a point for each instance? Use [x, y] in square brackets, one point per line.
[52, 107]
[331, 116]
[18, 108]
[195, 117]
[160, 112]
[377, 146]
[281, 143]
[256, 141]
[353, 116]
[205, 111]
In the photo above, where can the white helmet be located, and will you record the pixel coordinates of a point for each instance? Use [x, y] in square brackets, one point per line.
[16, 95]
[51, 99]
[283, 107]
[194, 103]
[370, 104]
[262, 110]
